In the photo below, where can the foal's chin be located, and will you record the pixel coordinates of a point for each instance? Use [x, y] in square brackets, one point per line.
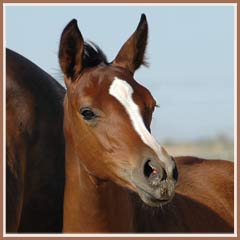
[152, 201]
[158, 196]
[152, 196]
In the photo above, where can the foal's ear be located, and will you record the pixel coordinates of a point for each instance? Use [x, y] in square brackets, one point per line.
[131, 55]
[71, 50]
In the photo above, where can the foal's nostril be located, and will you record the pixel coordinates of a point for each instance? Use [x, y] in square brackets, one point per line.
[153, 172]
[148, 169]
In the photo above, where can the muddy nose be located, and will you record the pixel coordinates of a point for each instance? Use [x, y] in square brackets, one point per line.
[154, 173]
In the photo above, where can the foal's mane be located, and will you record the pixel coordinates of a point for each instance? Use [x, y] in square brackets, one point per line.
[93, 55]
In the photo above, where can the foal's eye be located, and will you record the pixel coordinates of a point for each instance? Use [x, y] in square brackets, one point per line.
[87, 114]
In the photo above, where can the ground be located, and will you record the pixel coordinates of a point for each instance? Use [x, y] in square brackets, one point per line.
[220, 148]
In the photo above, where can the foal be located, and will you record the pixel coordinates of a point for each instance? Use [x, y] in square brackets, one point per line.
[110, 153]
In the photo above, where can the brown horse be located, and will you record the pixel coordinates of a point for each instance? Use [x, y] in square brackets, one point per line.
[112, 158]
[34, 148]
[112, 161]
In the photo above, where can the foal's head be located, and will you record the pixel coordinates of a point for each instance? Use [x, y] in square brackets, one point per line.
[108, 116]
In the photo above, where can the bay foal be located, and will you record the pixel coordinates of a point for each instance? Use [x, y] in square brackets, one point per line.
[111, 155]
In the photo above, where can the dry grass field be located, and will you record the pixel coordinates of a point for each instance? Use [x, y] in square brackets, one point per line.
[219, 148]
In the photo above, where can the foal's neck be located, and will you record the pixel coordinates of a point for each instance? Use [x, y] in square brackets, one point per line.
[93, 206]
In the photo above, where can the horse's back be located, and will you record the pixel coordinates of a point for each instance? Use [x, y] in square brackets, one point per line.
[34, 147]
[203, 202]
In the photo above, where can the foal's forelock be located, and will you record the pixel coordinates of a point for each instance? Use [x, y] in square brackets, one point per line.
[123, 92]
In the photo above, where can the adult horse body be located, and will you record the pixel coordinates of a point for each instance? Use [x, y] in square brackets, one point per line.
[34, 148]
[111, 159]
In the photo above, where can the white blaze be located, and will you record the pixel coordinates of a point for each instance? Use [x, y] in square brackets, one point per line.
[123, 92]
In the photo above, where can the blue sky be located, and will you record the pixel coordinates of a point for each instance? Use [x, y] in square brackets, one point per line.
[190, 51]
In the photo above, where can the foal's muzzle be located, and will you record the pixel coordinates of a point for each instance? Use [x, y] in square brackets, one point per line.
[154, 185]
